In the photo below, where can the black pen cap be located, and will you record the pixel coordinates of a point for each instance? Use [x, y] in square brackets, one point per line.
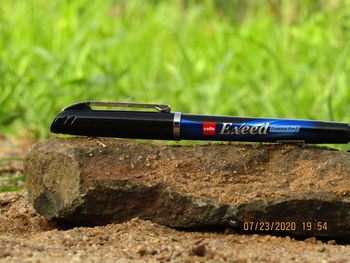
[81, 119]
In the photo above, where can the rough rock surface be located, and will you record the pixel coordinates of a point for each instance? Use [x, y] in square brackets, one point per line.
[99, 181]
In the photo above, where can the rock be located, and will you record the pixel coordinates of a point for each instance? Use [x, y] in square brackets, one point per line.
[321, 249]
[311, 240]
[199, 250]
[331, 242]
[291, 189]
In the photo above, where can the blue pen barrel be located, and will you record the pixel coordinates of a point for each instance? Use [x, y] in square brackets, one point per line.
[225, 128]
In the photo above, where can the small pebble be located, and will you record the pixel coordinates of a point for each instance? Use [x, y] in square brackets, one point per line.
[321, 249]
[331, 242]
[311, 240]
[199, 250]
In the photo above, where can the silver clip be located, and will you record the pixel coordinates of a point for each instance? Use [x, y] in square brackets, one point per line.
[158, 107]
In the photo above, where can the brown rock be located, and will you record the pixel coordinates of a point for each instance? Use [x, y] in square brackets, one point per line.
[331, 242]
[311, 240]
[98, 181]
[199, 250]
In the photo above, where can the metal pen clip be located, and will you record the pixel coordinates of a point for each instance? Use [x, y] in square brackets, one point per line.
[87, 104]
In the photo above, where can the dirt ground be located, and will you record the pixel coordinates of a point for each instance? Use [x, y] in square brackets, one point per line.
[25, 236]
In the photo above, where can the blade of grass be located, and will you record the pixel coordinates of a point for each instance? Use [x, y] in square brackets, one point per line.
[11, 179]
[10, 188]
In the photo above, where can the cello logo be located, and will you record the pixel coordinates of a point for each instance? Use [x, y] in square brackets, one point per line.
[209, 128]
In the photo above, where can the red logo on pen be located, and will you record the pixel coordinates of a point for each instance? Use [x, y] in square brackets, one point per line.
[209, 128]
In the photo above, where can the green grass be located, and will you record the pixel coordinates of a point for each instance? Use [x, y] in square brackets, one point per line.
[10, 182]
[6, 159]
[10, 188]
[12, 179]
[263, 58]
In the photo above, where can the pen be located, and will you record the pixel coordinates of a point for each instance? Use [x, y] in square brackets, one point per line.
[156, 121]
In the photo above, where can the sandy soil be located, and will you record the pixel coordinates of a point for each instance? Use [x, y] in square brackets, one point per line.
[26, 236]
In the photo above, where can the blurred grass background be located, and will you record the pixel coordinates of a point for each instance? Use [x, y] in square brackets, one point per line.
[263, 58]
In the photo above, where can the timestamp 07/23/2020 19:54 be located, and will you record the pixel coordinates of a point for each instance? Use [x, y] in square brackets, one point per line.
[285, 226]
